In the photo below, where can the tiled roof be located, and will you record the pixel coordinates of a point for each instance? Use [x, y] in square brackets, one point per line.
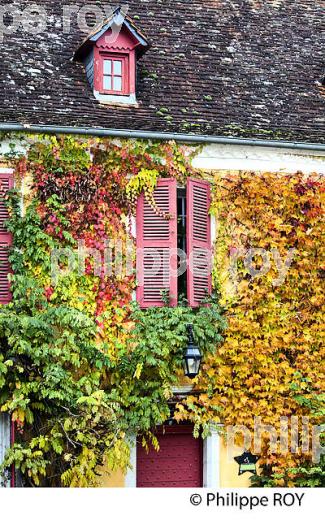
[246, 68]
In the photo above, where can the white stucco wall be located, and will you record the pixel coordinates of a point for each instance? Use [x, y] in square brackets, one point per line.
[236, 157]
[259, 158]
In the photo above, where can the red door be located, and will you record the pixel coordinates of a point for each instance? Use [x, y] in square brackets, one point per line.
[178, 463]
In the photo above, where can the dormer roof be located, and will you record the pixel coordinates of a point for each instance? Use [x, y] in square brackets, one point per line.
[113, 25]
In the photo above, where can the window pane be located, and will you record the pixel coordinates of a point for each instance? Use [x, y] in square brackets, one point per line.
[118, 68]
[107, 66]
[117, 84]
[107, 82]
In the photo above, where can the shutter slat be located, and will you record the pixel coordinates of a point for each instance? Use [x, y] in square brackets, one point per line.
[6, 183]
[156, 240]
[4, 187]
[198, 241]
[5, 243]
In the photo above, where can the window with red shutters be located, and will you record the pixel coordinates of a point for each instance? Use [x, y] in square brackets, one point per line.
[199, 282]
[157, 242]
[157, 245]
[6, 183]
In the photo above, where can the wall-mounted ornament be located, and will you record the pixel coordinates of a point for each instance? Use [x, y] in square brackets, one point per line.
[247, 462]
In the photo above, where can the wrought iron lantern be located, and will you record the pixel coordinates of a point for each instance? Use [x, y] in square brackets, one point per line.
[192, 356]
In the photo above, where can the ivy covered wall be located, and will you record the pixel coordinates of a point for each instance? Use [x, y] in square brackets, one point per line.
[269, 269]
[82, 367]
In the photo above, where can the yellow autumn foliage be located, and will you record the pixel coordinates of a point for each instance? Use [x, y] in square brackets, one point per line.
[274, 346]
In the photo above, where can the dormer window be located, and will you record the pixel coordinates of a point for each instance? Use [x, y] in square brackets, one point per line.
[115, 73]
[110, 57]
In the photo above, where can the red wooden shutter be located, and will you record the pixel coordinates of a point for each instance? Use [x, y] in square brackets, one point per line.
[156, 246]
[198, 241]
[6, 183]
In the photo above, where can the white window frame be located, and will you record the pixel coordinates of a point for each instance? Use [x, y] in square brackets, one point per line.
[5, 442]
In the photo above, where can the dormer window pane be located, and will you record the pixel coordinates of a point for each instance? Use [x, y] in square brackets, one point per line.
[107, 66]
[107, 82]
[117, 84]
[118, 68]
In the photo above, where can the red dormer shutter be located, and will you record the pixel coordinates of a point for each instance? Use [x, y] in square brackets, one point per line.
[6, 183]
[199, 279]
[157, 246]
